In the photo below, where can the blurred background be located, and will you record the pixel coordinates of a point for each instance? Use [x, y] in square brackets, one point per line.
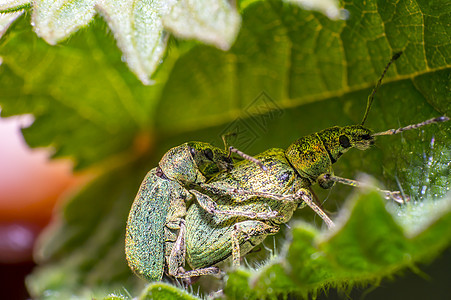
[30, 186]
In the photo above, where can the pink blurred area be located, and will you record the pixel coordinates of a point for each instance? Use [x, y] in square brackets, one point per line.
[30, 185]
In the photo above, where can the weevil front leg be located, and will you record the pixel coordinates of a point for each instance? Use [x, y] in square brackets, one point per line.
[244, 231]
[210, 206]
[176, 260]
[394, 195]
[231, 149]
[307, 197]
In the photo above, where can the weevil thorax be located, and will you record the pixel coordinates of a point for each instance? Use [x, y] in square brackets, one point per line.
[314, 154]
[193, 162]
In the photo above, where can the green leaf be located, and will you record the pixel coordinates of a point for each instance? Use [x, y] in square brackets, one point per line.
[290, 73]
[93, 98]
[164, 291]
[56, 20]
[139, 32]
[367, 245]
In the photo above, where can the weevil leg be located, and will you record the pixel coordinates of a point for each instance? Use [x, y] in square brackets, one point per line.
[213, 271]
[231, 149]
[210, 206]
[394, 195]
[224, 138]
[307, 197]
[248, 157]
[303, 194]
[176, 260]
[245, 230]
[315, 197]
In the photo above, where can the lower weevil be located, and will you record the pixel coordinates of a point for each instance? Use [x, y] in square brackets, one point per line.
[158, 211]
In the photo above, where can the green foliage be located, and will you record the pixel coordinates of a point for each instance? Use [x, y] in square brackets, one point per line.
[367, 245]
[290, 72]
[164, 291]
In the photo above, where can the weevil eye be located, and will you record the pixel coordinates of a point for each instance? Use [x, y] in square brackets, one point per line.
[344, 141]
[208, 154]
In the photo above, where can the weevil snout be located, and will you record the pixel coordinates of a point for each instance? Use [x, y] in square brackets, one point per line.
[365, 142]
[358, 137]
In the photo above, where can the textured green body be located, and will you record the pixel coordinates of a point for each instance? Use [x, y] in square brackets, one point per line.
[208, 236]
[314, 154]
[146, 234]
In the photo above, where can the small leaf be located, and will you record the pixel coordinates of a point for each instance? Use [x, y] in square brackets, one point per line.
[56, 20]
[6, 19]
[138, 29]
[210, 21]
[165, 292]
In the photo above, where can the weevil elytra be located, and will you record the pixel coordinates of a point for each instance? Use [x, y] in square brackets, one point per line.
[160, 205]
[233, 225]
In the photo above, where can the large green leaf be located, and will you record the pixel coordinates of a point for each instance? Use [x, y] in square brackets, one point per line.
[290, 73]
[367, 245]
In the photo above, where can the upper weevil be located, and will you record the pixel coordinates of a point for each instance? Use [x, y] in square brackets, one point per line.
[236, 210]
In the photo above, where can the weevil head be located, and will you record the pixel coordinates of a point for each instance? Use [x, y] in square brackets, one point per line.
[209, 159]
[338, 140]
[314, 154]
[194, 162]
[358, 136]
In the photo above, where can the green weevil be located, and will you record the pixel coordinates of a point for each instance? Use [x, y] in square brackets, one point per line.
[160, 205]
[232, 223]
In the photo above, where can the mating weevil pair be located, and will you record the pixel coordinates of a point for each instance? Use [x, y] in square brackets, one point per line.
[239, 206]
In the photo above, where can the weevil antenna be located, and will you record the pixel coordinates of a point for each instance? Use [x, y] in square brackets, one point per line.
[378, 84]
[225, 137]
[413, 126]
